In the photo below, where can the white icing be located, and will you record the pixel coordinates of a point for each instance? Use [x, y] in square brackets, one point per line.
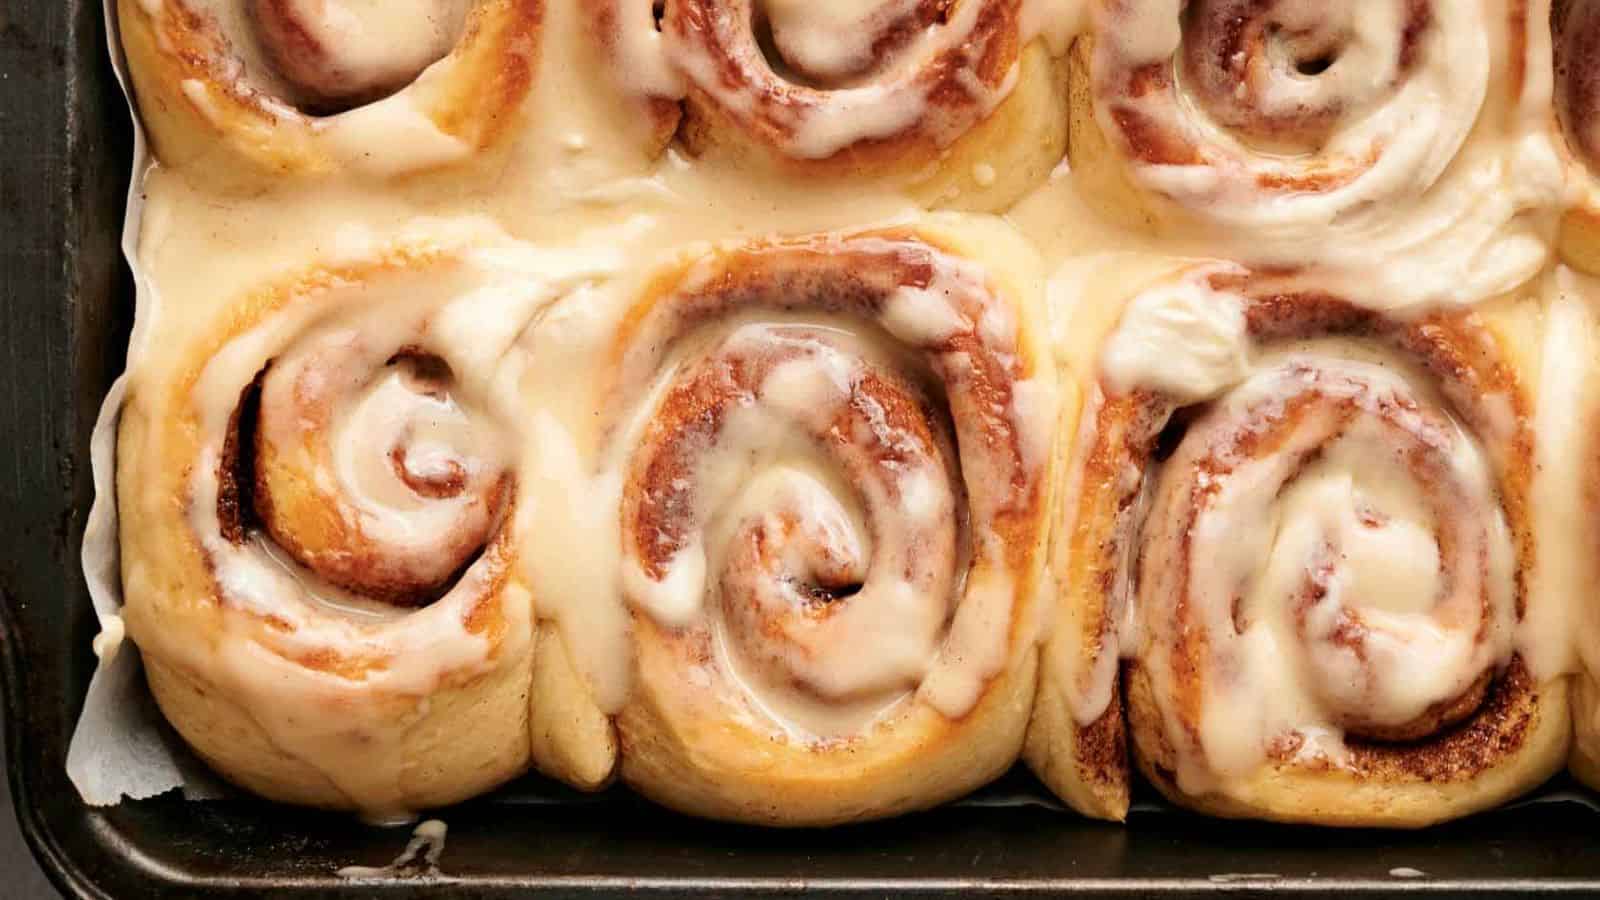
[390, 137]
[1182, 338]
[1356, 522]
[306, 712]
[908, 631]
[109, 640]
[573, 190]
[380, 42]
[1452, 216]
[828, 43]
[375, 62]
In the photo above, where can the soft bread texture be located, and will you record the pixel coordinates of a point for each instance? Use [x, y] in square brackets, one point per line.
[1096, 164]
[204, 116]
[687, 738]
[297, 704]
[1085, 764]
[573, 740]
[440, 768]
[986, 166]
[1585, 759]
[709, 766]
[1575, 399]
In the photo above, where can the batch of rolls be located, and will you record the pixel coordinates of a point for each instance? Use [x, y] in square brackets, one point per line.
[1207, 390]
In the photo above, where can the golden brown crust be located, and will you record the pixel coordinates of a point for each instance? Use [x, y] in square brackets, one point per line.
[204, 119]
[1086, 765]
[1514, 743]
[1584, 761]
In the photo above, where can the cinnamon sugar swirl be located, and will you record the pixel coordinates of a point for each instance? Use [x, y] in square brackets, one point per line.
[1306, 526]
[958, 102]
[240, 92]
[1290, 132]
[818, 479]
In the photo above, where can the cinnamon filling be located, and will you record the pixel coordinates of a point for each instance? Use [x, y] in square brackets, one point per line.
[335, 55]
[1237, 53]
[936, 67]
[796, 505]
[280, 461]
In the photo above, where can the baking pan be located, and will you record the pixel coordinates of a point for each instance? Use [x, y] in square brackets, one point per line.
[64, 147]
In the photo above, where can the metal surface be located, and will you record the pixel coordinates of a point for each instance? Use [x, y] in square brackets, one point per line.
[64, 145]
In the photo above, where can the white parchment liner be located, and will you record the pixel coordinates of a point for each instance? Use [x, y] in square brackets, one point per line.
[121, 748]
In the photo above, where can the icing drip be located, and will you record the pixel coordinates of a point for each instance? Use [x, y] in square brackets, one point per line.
[1357, 578]
[828, 613]
[1297, 113]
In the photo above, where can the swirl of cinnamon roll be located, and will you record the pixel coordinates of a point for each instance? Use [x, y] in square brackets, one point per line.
[1306, 527]
[829, 458]
[955, 101]
[319, 534]
[318, 87]
[1575, 29]
[1334, 133]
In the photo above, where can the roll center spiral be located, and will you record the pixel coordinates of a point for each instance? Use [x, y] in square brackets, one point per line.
[820, 495]
[1326, 515]
[367, 471]
[339, 54]
[1284, 75]
[837, 43]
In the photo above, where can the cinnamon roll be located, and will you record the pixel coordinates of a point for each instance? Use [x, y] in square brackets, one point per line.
[248, 90]
[1575, 28]
[1306, 526]
[817, 479]
[1288, 132]
[319, 534]
[955, 101]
